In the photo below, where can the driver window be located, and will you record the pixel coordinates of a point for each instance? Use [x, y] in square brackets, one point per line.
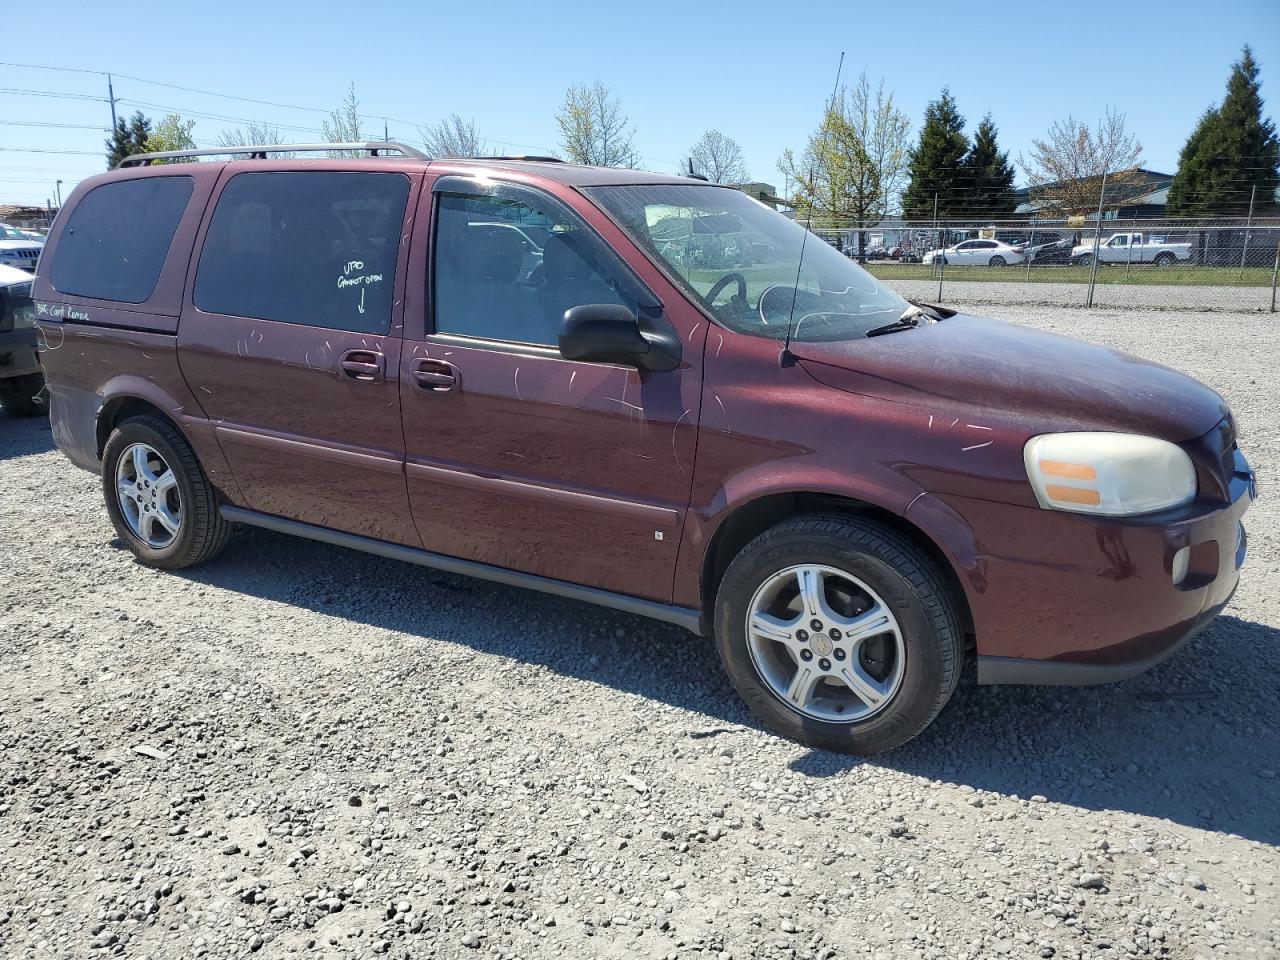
[1119, 241]
[508, 270]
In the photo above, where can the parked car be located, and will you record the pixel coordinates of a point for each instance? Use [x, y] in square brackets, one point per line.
[21, 382]
[18, 250]
[989, 253]
[1050, 252]
[1132, 248]
[846, 490]
[10, 232]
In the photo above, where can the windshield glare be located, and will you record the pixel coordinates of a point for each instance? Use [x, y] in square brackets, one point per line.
[738, 258]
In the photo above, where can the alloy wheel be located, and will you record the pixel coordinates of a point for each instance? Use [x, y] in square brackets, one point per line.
[825, 643]
[148, 494]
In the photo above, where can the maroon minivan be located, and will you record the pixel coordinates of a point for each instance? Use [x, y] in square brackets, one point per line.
[643, 391]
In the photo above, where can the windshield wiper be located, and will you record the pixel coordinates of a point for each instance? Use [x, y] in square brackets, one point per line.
[909, 320]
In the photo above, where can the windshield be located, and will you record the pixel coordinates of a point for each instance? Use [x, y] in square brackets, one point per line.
[738, 258]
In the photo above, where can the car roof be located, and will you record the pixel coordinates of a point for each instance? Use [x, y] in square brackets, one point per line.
[572, 174]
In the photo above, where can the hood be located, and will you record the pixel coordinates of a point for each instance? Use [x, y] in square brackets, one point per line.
[1062, 383]
[20, 245]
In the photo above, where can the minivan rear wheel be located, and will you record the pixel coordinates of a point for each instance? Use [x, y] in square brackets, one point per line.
[159, 499]
[839, 633]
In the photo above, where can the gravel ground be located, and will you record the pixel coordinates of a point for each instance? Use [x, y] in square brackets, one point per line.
[1106, 295]
[304, 751]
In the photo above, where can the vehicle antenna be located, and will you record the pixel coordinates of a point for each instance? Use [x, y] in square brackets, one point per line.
[785, 358]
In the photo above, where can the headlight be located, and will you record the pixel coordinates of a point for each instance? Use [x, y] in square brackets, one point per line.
[1113, 474]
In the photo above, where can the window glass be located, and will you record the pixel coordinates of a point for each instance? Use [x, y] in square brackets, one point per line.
[508, 270]
[116, 241]
[741, 261]
[311, 248]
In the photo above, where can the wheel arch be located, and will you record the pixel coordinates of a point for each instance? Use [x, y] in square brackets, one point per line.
[118, 409]
[748, 520]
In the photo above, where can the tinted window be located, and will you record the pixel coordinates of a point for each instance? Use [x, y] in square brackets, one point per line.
[115, 243]
[509, 270]
[317, 249]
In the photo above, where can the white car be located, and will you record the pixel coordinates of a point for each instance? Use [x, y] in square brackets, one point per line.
[17, 250]
[1133, 248]
[986, 253]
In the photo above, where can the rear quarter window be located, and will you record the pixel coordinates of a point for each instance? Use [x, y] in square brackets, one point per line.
[117, 238]
[313, 248]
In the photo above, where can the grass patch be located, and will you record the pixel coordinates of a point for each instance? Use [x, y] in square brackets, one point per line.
[1143, 274]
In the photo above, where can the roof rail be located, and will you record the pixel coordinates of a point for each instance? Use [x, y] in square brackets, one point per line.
[372, 147]
[527, 157]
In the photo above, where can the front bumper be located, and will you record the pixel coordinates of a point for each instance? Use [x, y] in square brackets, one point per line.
[1050, 616]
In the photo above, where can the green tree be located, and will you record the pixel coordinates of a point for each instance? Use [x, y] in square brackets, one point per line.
[172, 133]
[936, 164]
[129, 137]
[987, 174]
[1232, 154]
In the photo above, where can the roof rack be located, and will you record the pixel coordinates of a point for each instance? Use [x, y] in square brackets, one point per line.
[373, 147]
[527, 157]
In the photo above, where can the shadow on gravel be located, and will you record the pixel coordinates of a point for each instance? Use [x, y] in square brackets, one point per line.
[24, 436]
[1193, 741]
[1190, 742]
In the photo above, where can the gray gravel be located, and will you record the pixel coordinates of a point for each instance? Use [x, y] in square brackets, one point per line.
[303, 751]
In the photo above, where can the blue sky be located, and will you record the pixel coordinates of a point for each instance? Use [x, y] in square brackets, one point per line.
[757, 72]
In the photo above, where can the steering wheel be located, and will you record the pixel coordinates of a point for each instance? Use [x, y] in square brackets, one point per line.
[765, 295]
[723, 282]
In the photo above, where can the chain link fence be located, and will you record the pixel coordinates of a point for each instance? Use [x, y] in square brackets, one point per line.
[1162, 263]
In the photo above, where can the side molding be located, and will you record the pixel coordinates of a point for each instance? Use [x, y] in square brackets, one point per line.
[680, 616]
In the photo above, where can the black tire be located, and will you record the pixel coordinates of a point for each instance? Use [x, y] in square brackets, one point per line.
[905, 579]
[1085, 261]
[203, 532]
[997, 261]
[1164, 260]
[24, 396]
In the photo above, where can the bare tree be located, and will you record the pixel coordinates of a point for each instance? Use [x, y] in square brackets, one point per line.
[250, 135]
[853, 168]
[593, 128]
[343, 125]
[452, 137]
[718, 158]
[1065, 171]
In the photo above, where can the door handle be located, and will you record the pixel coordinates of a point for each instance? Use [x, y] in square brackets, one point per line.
[438, 376]
[365, 365]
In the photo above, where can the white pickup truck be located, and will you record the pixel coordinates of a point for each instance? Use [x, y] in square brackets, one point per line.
[1132, 248]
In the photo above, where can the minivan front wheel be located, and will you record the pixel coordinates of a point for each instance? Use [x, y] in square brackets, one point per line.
[839, 633]
[159, 500]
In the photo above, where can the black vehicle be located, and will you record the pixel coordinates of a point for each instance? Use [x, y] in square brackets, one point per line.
[21, 380]
[1053, 250]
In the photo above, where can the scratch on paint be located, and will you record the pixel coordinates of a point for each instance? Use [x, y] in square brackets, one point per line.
[694, 332]
[931, 421]
[571, 377]
[976, 446]
[625, 404]
[727, 428]
[974, 426]
[720, 346]
[516, 382]
[642, 456]
[675, 432]
[207, 390]
[955, 421]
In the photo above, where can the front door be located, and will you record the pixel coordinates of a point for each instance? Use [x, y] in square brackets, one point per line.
[517, 457]
[290, 340]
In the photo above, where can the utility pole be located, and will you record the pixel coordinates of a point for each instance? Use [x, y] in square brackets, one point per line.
[111, 95]
[1097, 241]
[385, 136]
[1244, 250]
[58, 192]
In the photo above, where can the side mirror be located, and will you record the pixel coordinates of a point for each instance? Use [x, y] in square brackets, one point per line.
[609, 333]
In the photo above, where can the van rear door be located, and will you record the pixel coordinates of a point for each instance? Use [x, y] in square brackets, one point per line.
[290, 340]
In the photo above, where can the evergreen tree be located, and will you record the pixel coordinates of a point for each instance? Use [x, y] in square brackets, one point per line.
[988, 175]
[936, 162]
[1232, 153]
[128, 137]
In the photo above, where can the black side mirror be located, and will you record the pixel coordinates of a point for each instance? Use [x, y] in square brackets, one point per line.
[609, 333]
